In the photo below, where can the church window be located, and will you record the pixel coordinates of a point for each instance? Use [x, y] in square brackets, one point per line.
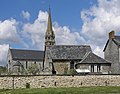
[48, 38]
[119, 54]
[92, 68]
[95, 68]
[26, 64]
[18, 68]
[98, 68]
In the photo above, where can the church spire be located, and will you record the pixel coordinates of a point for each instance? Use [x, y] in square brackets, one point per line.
[49, 26]
[49, 36]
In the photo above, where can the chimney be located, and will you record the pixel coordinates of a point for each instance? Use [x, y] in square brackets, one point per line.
[112, 35]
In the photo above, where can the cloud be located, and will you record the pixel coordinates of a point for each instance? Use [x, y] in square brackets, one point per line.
[8, 31]
[26, 15]
[98, 21]
[37, 31]
[8, 35]
[3, 54]
[64, 36]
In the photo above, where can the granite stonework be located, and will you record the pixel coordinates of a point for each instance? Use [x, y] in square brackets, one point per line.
[112, 52]
[59, 81]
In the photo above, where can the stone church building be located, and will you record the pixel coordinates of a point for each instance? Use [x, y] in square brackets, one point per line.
[112, 52]
[56, 59]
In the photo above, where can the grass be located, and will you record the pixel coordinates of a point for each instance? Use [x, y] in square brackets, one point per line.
[81, 90]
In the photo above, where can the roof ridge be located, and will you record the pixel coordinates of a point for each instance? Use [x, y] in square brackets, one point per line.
[116, 42]
[71, 45]
[25, 49]
[85, 56]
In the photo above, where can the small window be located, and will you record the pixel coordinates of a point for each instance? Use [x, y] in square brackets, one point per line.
[92, 68]
[48, 38]
[18, 68]
[26, 64]
[119, 54]
[98, 68]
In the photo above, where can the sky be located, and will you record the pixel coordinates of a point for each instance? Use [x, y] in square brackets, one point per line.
[75, 22]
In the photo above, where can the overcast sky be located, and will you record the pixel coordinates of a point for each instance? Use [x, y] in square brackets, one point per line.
[75, 22]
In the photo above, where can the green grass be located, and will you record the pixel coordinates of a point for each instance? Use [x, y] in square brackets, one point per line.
[82, 90]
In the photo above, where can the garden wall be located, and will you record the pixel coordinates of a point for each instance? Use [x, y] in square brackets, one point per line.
[11, 82]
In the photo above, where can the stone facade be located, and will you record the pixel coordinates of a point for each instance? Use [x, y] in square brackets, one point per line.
[59, 81]
[111, 53]
[106, 69]
[17, 69]
[61, 67]
[19, 61]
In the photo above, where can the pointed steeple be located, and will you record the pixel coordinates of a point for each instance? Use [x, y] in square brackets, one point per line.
[49, 35]
[49, 26]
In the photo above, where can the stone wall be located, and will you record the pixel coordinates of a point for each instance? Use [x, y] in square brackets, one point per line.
[59, 81]
[106, 69]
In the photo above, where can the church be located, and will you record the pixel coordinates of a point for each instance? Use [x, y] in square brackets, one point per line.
[58, 59]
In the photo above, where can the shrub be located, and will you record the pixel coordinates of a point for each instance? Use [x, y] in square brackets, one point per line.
[33, 69]
[72, 72]
[65, 70]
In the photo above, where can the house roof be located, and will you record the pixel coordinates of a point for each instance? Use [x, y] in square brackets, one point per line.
[32, 55]
[93, 58]
[116, 40]
[68, 52]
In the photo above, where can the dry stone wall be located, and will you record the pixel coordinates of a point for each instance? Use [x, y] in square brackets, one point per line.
[58, 81]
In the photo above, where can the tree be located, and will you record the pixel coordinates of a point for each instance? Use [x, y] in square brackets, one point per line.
[3, 70]
[33, 69]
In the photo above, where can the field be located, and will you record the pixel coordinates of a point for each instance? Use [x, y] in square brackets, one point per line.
[82, 90]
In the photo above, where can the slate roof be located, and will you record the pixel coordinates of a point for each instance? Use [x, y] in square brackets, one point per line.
[116, 40]
[92, 58]
[32, 55]
[68, 52]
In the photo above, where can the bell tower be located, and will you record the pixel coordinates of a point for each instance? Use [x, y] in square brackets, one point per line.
[49, 41]
[49, 35]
